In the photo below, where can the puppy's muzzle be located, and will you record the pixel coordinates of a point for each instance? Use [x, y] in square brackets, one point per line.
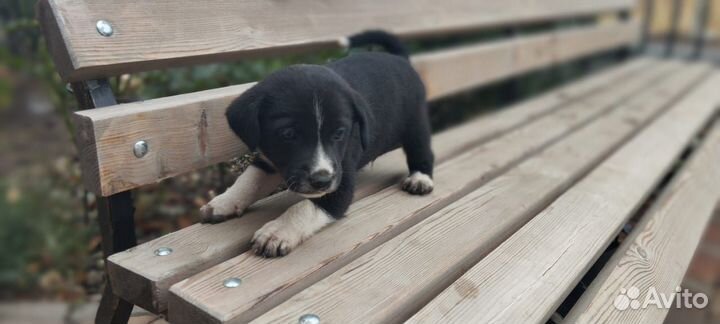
[321, 180]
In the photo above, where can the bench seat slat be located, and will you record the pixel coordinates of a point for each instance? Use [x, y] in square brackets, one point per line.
[145, 281]
[527, 277]
[659, 249]
[390, 283]
[189, 131]
[163, 33]
[369, 222]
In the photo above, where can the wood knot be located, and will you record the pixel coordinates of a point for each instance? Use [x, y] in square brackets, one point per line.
[642, 252]
[466, 288]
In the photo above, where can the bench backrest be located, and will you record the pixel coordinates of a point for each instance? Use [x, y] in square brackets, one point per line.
[189, 131]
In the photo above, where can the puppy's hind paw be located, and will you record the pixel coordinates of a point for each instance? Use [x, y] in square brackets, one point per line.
[418, 183]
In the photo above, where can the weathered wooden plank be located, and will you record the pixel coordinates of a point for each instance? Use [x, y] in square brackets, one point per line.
[157, 34]
[183, 132]
[659, 250]
[571, 44]
[189, 131]
[147, 285]
[450, 71]
[526, 278]
[369, 222]
[390, 283]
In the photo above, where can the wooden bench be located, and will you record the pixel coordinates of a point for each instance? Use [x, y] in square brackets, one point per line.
[526, 199]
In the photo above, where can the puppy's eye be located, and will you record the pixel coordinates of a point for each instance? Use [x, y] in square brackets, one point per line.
[339, 134]
[287, 133]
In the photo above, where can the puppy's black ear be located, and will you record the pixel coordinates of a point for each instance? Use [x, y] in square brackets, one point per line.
[243, 117]
[362, 117]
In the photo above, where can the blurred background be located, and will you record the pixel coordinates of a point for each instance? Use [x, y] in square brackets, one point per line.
[51, 267]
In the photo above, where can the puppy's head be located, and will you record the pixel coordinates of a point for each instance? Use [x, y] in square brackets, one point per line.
[302, 119]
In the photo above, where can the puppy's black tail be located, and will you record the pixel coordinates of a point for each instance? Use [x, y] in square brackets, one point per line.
[387, 41]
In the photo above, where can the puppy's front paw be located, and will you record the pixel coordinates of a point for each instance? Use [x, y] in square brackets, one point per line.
[275, 238]
[218, 210]
[298, 223]
[208, 215]
[418, 183]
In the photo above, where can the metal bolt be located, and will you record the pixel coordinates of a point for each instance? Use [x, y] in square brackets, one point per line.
[140, 149]
[163, 251]
[309, 319]
[104, 28]
[232, 282]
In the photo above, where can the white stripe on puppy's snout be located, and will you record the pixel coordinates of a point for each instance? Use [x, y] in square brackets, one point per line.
[320, 161]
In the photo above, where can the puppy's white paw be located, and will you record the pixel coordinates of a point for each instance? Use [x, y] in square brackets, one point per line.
[219, 209]
[418, 183]
[275, 238]
[298, 223]
[251, 185]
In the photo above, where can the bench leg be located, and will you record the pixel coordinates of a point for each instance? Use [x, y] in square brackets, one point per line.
[648, 14]
[115, 213]
[701, 22]
[112, 309]
[624, 52]
[674, 21]
[511, 89]
[117, 227]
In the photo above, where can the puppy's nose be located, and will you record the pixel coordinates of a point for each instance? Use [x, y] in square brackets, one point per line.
[321, 179]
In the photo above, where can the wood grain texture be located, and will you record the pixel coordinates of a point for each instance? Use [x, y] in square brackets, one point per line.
[659, 249]
[182, 132]
[163, 33]
[450, 71]
[369, 222]
[190, 131]
[201, 246]
[390, 283]
[526, 278]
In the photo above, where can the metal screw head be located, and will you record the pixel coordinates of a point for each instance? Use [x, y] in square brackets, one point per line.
[232, 282]
[104, 28]
[163, 251]
[309, 319]
[140, 149]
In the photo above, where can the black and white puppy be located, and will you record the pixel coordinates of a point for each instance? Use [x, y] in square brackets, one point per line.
[315, 126]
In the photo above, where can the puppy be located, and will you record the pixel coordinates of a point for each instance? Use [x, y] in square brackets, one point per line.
[314, 126]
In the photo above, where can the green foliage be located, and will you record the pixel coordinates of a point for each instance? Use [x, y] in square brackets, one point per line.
[6, 91]
[154, 84]
[41, 232]
[24, 53]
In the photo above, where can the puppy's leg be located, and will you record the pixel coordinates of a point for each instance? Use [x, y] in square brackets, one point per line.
[251, 186]
[299, 222]
[302, 220]
[416, 145]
